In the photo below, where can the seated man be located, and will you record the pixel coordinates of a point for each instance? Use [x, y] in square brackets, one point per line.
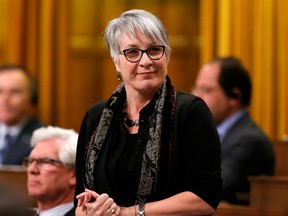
[225, 86]
[18, 96]
[51, 171]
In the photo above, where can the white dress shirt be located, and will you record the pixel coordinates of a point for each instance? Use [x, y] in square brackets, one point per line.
[58, 210]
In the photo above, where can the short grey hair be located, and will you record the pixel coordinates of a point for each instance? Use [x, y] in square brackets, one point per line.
[67, 152]
[135, 20]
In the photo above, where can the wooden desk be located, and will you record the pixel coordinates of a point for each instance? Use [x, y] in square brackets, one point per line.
[226, 209]
[269, 193]
[16, 178]
[268, 197]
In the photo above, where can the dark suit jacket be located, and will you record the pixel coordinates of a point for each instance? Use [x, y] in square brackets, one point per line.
[20, 147]
[246, 151]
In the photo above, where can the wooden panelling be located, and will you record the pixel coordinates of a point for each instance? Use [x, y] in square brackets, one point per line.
[59, 42]
[281, 151]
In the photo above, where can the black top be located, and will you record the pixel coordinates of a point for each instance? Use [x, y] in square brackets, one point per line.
[195, 156]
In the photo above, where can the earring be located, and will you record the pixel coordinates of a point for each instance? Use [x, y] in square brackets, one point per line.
[118, 76]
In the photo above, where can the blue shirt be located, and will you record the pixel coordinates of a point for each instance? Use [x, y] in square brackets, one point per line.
[224, 127]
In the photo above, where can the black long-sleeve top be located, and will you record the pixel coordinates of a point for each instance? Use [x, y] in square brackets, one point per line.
[195, 164]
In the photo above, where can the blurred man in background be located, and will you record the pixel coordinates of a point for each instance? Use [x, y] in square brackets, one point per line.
[225, 85]
[17, 97]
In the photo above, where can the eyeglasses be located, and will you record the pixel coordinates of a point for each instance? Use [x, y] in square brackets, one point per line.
[135, 54]
[42, 163]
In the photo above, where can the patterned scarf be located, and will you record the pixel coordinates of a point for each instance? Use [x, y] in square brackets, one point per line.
[165, 103]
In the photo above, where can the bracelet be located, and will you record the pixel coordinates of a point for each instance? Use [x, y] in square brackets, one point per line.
[141, 209]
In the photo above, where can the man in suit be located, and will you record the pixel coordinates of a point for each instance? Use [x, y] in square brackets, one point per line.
[17, 100]
[225, 85]
[51, 170]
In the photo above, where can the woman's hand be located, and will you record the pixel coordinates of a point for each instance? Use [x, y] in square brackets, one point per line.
[91, 203]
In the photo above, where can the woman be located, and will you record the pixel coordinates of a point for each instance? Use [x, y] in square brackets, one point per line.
[148, 150]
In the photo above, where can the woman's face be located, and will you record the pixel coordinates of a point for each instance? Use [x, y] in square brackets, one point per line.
[146, 75]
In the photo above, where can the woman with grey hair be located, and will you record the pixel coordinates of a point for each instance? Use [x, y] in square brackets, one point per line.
[149, 149]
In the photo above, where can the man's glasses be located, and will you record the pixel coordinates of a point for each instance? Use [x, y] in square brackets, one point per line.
[135, 54]
[42, 163]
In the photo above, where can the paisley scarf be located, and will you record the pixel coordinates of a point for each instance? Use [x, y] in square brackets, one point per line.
[158, 133]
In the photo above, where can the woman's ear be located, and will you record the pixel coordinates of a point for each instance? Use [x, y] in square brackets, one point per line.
[119, 77]
[117, 66]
